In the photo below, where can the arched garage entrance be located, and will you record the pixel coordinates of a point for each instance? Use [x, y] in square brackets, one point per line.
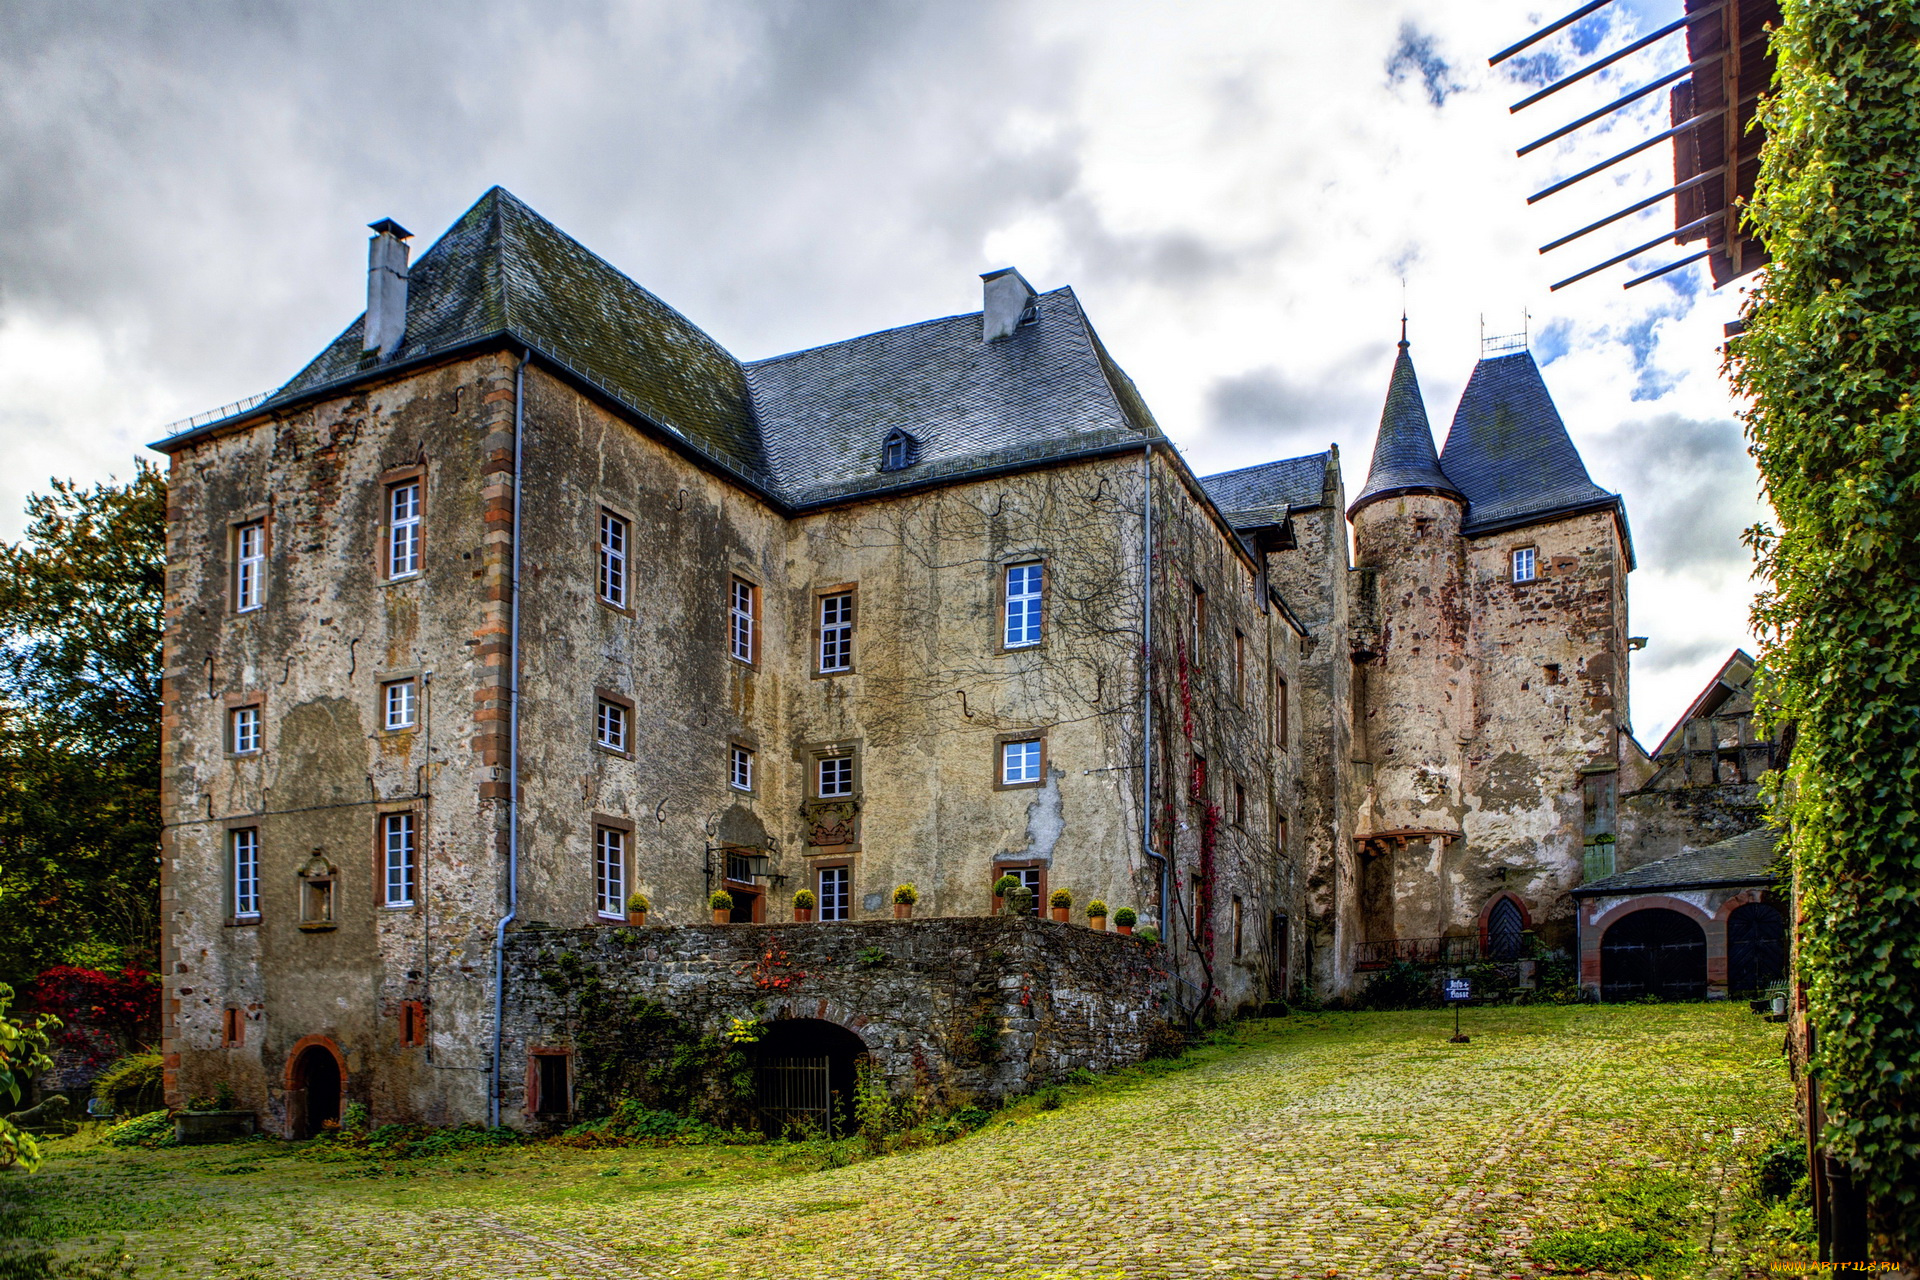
[1756, 947]
[1653, 952]
[803, 1076]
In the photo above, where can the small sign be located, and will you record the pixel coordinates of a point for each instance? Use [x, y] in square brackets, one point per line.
[1459, 989]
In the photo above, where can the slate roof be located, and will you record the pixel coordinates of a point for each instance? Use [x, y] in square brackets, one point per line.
[1404, 460]
[802, 429]
[1744, 859]
[1263, 495]
[1048, 390]
[1509, 452]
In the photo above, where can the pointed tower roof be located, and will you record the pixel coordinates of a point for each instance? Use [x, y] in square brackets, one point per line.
[1510, 453]
[1403, 456]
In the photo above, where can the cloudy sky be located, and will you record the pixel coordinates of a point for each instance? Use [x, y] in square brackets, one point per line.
[1243, 192]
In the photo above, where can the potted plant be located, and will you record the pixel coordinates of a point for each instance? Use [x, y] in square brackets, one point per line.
[1001, 888]
[722, 904]
[1150, 934]
[803, 905]
[1097, 916]
[637, 905]
[904, 897]
[1062, 903]
[1123, 921]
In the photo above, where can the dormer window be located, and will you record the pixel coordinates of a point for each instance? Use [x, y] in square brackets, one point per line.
[899, 451]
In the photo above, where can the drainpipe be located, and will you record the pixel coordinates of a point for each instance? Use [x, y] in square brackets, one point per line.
[1146, 697]
[513, 743]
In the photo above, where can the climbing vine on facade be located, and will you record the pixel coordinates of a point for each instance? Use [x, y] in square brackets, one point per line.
[1830, 360]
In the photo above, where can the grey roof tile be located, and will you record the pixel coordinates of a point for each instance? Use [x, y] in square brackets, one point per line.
[1510, 453]
[1744, 859]
[1264, 494]
[1404, 460]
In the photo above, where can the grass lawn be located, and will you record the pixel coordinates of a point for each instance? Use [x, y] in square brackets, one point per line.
[1356, 1144]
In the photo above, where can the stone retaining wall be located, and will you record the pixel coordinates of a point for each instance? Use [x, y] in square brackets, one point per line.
[978, 1008]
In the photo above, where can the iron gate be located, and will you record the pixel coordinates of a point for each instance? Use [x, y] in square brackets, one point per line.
[793, 1094]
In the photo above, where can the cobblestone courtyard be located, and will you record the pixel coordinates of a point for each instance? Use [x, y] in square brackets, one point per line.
[1348, 1144]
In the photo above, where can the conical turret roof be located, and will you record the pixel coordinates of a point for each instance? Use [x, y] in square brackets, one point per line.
[1404, 460]
[1511, 453]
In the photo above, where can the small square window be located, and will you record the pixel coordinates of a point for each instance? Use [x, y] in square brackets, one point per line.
[245, 736]
[1019, 762]
[610, 726]
[834, 892]
[740, 771]
[835, 776]
[1523, 564]
[399, 705]
[1032, 879]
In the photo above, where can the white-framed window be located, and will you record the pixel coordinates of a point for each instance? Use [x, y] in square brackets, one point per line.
[396, 833]
[400, 705]
[610, 872]
[1019, 762]
[403, 529]
[245, 860]
[613, 560]
[835, 776]
[1523, 564]
[245, 735]
[740, 620]
[610, 726]
[834, 893]
[740, 768]
[1023, 584]
[249, 566]
[836, 632]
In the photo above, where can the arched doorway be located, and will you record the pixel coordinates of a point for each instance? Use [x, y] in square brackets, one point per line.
[803, 1076]
[316, 1091]
[1506, 929]
[1653, 952]
[1756, 947]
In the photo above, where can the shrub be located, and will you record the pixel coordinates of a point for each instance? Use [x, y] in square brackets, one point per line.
[1060, 898]
[1403, 986]
[1594, 1249]
[1148, 934]
[1096, 909]
[804, 900]
[720, 900]
[132, 1086]
[1006, 885]
[637, 902]
[154, 1129]
[1125, 916]
[905, 895]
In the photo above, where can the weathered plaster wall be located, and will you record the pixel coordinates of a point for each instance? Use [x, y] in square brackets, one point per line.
[1056, 998]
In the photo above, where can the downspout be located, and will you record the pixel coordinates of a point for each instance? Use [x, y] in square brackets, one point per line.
[513, 743]
[1146, 698]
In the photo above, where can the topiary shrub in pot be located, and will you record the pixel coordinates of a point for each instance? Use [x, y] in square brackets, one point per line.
[720, 902]
[803, 904]
[1097, 916]
[1123, 921]
[637, 905]
[904, 896]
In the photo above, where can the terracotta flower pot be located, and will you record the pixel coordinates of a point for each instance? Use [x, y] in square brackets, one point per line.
[638, 919]
[1124, 930]
[1061, 913]
[903, 911]
[803, 915]
[722, 915]
[1097, 923]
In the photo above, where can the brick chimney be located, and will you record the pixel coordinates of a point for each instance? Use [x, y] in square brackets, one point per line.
[1009, 301]
[386, 287]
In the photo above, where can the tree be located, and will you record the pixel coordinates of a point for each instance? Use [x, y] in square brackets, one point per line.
[1830, 360]
[80, 630]
[23, 1048]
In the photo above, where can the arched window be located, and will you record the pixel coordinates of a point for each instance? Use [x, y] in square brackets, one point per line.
[899, 451]
[1505, 927]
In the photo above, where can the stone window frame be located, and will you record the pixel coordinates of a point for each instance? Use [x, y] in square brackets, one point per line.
[837, 862]
[389, 481]
[753, 616]
[233, 1027]
[1198, 621]
[835, 751]
[1000, 602]
[412, 1017]
[260, 514]
[1239, 803]
[608, 822]
[387, 680]
[1000, 744]
[1239, 943]
[229, 828]
[605, 511]
[736, 747]
[1239, 667]
[603, 697]
[247, 700]
[330, 878]
[1001, 866]
[1278, 728]
[381, 813]
[1531, 551]
[820, 596]
[533, 1108]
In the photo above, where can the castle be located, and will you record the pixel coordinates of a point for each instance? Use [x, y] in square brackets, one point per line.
[526, 597]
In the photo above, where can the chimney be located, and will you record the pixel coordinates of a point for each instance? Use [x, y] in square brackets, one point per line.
[1008, 301]
[386, 287]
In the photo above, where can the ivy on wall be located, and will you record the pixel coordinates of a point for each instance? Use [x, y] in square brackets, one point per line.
[1831, 360]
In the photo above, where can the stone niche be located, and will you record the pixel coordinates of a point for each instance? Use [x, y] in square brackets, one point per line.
[974, 1008]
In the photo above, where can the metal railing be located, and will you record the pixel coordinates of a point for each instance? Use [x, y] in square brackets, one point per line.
[214, 415]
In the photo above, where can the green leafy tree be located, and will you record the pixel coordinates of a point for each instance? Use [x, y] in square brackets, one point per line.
[23, 1054]
[80, 629]
[1831, 360]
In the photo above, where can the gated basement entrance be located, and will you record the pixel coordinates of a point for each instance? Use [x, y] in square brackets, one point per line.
[803, 1076]
[1653, 952]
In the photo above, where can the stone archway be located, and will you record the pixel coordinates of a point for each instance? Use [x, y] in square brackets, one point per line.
[316, 1086]
[804, 1072]
[1653, 951]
